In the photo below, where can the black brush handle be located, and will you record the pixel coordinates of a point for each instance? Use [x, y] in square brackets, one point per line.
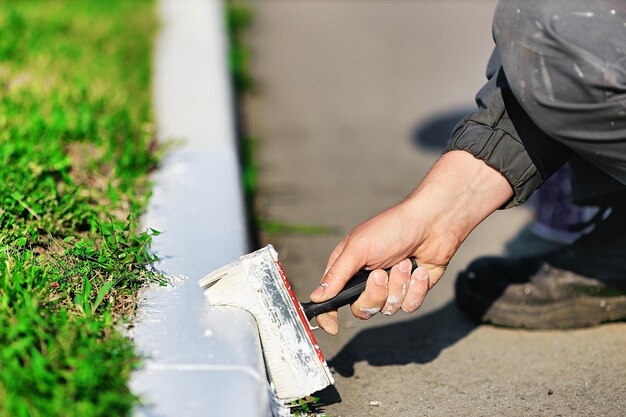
[347, 295]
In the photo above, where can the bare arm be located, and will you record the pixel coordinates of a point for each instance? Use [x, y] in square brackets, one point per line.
[458, 193]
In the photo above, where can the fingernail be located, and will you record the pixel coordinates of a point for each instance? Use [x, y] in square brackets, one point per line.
[370, 311]
[404, 266]
[420, 274]
[319, 291]
[393, 299]
[380, 278]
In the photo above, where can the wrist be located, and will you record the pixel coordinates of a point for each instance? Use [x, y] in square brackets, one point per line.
[458, 193]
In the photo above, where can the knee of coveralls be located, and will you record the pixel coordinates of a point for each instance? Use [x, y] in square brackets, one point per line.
[565, 61]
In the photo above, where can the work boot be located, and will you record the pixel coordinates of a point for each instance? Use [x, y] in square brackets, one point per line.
[580, 285]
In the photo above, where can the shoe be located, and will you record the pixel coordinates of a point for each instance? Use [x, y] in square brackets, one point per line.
[580, 285]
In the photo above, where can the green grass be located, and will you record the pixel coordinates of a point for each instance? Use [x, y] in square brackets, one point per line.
[75, 147]
[277, 227]
[305, 407]
[239, 17]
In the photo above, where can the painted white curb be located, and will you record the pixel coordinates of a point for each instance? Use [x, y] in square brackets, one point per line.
[202, 361]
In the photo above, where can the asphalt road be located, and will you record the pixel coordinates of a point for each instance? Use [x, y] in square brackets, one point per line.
[353, 103]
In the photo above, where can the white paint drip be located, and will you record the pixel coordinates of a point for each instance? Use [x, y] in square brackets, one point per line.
[371, 310]
[584, 14]
[393, 300]
[522, 84]
[578, 71]
[547, 81]
[279, 408]
[172, 280]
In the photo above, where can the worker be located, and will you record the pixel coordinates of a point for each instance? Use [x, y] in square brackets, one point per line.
[556, 92]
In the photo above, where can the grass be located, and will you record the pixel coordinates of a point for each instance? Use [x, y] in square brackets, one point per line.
[75, 147]
[239, 17]
[305, 407]
[277, 227]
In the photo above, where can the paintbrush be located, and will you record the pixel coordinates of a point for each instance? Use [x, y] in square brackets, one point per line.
[257, 283]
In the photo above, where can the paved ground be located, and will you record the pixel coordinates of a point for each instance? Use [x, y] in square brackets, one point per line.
[354, 99]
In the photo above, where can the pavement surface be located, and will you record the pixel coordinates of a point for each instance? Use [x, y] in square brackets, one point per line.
[353, 103]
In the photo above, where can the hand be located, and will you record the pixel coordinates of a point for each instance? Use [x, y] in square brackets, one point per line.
[457, 194]
[388, 239]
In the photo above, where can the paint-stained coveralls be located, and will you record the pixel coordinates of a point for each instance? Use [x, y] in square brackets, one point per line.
[556, 91]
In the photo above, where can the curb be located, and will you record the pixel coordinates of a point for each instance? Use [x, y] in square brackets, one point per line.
[201, 361]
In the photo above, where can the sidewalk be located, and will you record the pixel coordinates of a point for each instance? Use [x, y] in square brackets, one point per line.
[354, 99]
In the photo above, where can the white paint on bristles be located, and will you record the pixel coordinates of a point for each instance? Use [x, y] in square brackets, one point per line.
[254, 283]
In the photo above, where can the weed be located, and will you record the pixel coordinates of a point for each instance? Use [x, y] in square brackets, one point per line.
[239, 16]
[305, 407]
[276, 227]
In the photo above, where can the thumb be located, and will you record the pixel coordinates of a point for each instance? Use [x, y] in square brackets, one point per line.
[340, 272]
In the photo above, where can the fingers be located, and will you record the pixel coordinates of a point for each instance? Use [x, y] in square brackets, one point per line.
[374, 296]
[329, 322]
[348, 262]
[418, 288]
[335, 254]
[398, 287]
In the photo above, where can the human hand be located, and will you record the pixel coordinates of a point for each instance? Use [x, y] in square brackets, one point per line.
[457, 194]
[387, 240]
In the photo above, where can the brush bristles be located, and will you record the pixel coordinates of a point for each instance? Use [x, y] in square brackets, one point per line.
[254, 283]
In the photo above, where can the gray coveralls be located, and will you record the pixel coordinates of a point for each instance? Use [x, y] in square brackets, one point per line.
[556, 91]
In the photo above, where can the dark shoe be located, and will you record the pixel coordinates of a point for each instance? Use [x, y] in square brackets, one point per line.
[581, 285]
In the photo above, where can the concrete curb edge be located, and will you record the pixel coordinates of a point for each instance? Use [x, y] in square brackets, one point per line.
[200, 361]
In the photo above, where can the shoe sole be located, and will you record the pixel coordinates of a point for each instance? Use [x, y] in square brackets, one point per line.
[569, 314]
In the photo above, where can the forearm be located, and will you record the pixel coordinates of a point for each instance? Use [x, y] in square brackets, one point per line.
[458, 193]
